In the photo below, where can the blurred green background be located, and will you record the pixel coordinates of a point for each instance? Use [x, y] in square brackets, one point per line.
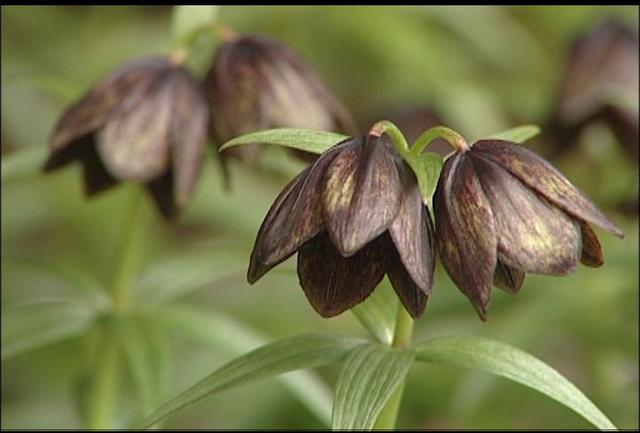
[482, 69]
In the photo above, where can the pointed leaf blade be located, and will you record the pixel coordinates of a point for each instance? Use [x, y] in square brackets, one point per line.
[370, 375]
[35, 325]
[519, 134]
[507, 361]
[426, 167]
[308, 140]
[216, 330]
[294, 353]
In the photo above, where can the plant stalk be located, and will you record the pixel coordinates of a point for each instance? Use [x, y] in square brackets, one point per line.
[455, 140]
[401, 339]
[104, 395]
[389, 128]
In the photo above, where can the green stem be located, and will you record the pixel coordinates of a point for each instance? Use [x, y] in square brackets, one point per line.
[129, 253]
[105, 386]
[104, 396]
[455, 140]
[387, 127]
[401, 339]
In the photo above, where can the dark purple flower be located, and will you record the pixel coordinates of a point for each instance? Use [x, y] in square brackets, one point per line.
[258, 83]
[600, 83]
[502, 211]
[146, 122]
[352, 216]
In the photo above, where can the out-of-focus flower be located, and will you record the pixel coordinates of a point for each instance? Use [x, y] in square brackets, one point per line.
[502, 211]
[146, 122]
[352, 216]
[600, 83]
[257, 83]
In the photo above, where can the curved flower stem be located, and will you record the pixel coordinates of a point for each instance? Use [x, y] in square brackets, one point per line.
[387, 127]
[104, 394]
[455, 140]
[401, 339]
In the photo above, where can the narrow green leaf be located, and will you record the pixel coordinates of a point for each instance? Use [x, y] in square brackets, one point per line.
[23, 163]
[378, 313]
[519, 134]
[188, 20]
[370, 375]
[507, 361]
[35, 325]
[294, 353]
[65, 281]
[160, 355]
[221, 332]
[426, 167]
[179, 274]
[302, 139]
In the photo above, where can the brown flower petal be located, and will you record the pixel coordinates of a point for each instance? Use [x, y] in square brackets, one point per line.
[333, 283]
[542, 177]
[128, 83]
[412, 295]
[361, 195]
[134, 144]
[294, 218]
[161, 190]
[533, 235]
[466, 233]
[412, 232]
[591, 250]
[508, 278]
[96, 177]
[188, 133]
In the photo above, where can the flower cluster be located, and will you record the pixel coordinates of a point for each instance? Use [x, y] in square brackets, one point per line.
[354, 215]
[501, 211]
[148, 121]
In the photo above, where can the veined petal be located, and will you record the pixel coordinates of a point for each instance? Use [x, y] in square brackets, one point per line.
[466, 233]
[294, 218]
[533, 234]
[334, 283]
[134, 144]
[412, 233]
[412, 296]
[542, 177]
[362, 194]
[129, 82]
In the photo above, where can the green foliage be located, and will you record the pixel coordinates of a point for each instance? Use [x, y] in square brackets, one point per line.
[301, 139]
[370, 375]
[426, 167]
[519, 134]
[31, 326]
[302, 351]
[190, 308]
[504, 360]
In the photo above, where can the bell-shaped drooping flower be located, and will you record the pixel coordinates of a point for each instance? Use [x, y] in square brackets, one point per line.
[600, 83]
[502, 211]
[354, 215]
[258, 83]
[146, 122]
